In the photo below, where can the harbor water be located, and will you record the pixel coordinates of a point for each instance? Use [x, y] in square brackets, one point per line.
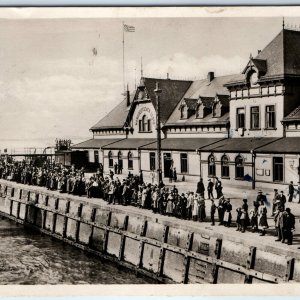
[27, 257]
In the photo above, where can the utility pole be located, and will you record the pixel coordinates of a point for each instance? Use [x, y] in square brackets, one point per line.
[157, 92]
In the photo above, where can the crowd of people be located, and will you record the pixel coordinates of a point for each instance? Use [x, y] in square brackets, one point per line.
[159, 198]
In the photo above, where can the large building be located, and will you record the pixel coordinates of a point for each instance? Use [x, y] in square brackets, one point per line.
[243, 128]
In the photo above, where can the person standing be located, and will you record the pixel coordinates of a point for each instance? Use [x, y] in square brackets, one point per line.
[189, 206]
[227, 214]
[282, 200]
[288, 226]
[291, 191]
[141, 177]
[210, 187]
[278, 223]
[202, 213]
[200, 188]
[221, 209]
[262, 218]
[174, 174]
[171, 175]
[244, 216]
[218, 188]
[212, 212]
[275, 201]
[195, 208]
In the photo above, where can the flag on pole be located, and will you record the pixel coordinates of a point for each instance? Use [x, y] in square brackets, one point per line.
[128, 28]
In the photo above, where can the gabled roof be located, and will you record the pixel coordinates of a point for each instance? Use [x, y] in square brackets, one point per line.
[116, 118]
[279, 59]
[94, 143]
[172, 93]
[293, 116]
[206, 91]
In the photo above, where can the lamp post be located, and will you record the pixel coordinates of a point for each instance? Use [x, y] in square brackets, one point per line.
[157, 92]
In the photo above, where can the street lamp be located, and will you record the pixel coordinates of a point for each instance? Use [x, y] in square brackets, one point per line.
[157, 92]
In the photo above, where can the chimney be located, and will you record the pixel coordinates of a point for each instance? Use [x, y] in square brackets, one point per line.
[210, 76]
[128, 96]
[258, 51]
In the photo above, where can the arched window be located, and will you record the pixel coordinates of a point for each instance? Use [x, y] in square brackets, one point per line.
[130, 161]
[239, 167]
[144, 124]
[211, 165]
[224, 166]
[110, 159]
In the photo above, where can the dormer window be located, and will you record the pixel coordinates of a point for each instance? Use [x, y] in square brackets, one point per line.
[200, 111]
[217, 109]
[183, 112]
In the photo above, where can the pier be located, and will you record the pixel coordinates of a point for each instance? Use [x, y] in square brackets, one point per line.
[164, 248]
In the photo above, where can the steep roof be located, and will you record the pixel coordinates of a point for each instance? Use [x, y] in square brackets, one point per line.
[172, 93]
[116, 118]
[205, 90]
[280, 58]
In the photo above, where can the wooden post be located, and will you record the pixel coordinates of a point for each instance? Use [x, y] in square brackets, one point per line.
[54, 216]
[105, 241]
[67, 209]
[26, 207]
[250, 263]
[92, 219]
[11, 206]
[122, 242]
[141, 245]
[162, 252]
[186, 262]
[217, 256]
[79, 213]
[44, 213]
[289, 269]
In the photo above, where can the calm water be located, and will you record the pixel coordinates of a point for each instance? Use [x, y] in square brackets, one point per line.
[29, 258]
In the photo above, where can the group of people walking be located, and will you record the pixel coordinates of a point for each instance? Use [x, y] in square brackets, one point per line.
[161, 199]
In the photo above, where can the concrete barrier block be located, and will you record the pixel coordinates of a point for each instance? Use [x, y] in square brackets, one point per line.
[22, 211]
[117, 220]
[135, 224]
[84, 233]
[150, 260]
[74, 208]
[49, 221]
[98, 239]
[270, 263]
[203, 244]
[155, 231]
[228, 276]
[113, 244]
[39, 218]
[296, 276]
[51, 201]
[178, 237]
[25, 195]
[62, 205]
[32, 196]
[43, 199]
[131, 250]
[86, 212]
[173, 266]
[71, 229]
[234, 253]
[200, 272]
[31, 213]
[101, 216]
[59, 225]
[6, 207]
[14, 208]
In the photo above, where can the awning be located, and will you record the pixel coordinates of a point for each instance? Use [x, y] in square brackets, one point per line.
[129, 144]
[94, 143]
[238, 145]
[183, 144]
[281, 146]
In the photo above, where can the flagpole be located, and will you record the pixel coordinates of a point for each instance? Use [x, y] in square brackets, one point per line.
[123, 59]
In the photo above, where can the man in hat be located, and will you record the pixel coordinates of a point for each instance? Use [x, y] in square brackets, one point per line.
[291, 191]
[275, 201]
[210, 187]
[288, 226]
[282, 199]
[260, 197]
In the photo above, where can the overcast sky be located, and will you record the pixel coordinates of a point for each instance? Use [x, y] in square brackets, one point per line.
[52, 83]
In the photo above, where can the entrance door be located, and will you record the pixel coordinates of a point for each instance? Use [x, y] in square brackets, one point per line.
[167, 164]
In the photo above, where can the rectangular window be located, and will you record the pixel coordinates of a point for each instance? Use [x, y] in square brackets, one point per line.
[255, 117]
[184, 162]
[152, 161]
[270, 116]
[240, 118]
[277, 168]
[96, 156]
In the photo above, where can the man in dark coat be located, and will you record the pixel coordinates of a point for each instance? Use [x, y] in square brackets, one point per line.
[288, 226]
[210, 189]
[291, 191]
[200, 188]
[212, 212]
[282, 199]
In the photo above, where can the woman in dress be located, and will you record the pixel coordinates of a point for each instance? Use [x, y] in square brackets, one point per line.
[262, 218]
[169, 209]
[202, 213]
[195, 208]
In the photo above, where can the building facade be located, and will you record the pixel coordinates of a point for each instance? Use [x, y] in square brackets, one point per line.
[243, 128]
